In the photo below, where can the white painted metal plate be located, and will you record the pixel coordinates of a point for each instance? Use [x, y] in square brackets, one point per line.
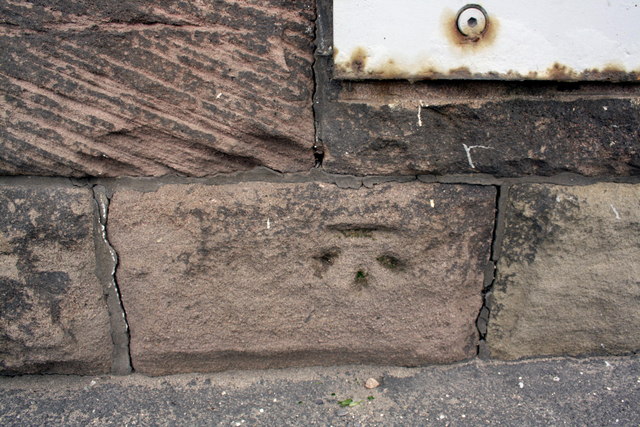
[543, 39]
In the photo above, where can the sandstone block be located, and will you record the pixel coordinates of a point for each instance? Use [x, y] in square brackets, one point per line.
[53, 317]
[143, 88]
[568, 280]
[507, 137]
[262, 275]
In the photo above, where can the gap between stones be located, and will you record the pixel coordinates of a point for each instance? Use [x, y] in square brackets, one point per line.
[318, 146]
[318, 175]
[482, 321]
[106, 266]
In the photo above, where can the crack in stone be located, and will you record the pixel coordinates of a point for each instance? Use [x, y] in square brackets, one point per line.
[492, 268]
[106, 266]
[318, 146]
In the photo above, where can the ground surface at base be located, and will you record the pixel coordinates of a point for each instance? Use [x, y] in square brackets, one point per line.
[592, 391]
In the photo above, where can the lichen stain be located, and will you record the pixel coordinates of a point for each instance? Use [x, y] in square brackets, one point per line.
[469, 44]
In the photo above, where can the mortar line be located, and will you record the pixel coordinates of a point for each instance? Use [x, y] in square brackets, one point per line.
[120, 335]
[266, 175]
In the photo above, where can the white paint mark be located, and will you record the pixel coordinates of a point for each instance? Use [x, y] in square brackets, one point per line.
[468, 149]
[615, 211]
[218, 96]
[268, 224]
[432, 203]
[420, 107]
[607, 364]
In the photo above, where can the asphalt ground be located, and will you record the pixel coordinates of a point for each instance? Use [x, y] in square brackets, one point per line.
[576, 392]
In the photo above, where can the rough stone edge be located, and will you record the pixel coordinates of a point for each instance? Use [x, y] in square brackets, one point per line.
[322, 69]
[106, 265]
[491, 270]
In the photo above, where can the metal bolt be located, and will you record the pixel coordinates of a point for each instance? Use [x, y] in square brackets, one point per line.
[472, 20]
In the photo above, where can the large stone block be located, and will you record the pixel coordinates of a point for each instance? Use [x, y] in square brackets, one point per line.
[53, 316]
[144, 88]
[568, 280]
[264, 275]
[505, 138]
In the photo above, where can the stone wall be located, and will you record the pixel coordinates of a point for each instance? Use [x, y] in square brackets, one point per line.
[161, 212]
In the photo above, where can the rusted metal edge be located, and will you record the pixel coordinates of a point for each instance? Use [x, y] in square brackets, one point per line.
[356, 69]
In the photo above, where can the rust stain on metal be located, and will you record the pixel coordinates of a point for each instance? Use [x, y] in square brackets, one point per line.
[459, 40]
[561, 72]
[356, 66]
[358, 60]
[389, 70]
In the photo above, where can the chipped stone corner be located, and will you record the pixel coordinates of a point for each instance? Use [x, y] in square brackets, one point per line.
[106, 265]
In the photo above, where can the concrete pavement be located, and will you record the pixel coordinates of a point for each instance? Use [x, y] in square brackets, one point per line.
[591, 391]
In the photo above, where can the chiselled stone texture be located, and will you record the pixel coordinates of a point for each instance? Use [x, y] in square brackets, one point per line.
[262, 275]
[147, 88]
[510, 137]
[53, 317]
[568, 278]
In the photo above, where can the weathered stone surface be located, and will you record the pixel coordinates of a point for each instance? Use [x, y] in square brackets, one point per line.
[53, 317]
[512, 137]
[569, 276]
[263, 275]
[141, 88]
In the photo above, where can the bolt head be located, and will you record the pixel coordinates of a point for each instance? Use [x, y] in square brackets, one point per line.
[472, 21]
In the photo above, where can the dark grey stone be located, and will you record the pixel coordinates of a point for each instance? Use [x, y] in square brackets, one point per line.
[568, 278]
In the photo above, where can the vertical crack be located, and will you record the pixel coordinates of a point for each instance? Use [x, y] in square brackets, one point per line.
[492, 268]
[106, 265]
[318, 147]
[320, 69]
